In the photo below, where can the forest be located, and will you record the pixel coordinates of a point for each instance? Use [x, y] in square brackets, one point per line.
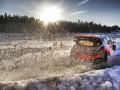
[25, 24]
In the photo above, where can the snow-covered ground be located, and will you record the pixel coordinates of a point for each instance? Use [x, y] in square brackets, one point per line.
[28, 63]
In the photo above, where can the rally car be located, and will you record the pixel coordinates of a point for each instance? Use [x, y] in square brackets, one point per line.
[93, 49]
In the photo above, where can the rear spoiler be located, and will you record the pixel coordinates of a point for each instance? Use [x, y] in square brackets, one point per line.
[76, 37]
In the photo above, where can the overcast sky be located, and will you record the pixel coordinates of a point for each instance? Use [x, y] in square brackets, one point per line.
[100, 11]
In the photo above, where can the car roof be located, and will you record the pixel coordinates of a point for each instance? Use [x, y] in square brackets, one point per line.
[91, 36]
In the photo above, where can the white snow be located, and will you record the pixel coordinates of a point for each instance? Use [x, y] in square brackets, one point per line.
[92, 80]
[66, 79]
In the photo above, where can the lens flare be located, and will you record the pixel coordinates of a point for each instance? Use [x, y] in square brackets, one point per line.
[50, 14]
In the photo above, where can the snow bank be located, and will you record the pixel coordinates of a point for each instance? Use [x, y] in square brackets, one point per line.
[106, 79]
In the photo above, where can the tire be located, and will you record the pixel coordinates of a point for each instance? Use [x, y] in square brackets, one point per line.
[107, 56]
[114, 48]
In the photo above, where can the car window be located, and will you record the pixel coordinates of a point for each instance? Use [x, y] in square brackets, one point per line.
[89, 42]
[109, 40]
[105, 40]
[86, 42]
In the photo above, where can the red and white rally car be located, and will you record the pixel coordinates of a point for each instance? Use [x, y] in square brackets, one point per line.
[95, 49]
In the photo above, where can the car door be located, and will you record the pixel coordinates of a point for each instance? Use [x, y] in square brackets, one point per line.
[106, 42]
[107, 45]
[109, 42]
[112, 44]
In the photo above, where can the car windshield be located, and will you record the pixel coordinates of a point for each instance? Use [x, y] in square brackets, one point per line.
[89, 42]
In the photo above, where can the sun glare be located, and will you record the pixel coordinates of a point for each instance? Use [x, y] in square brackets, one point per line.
[50, 14]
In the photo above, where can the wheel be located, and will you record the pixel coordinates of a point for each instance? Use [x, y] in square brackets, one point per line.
[107, 56]
[114, 48]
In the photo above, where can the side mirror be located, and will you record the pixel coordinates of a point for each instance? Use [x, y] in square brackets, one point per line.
[113, 41]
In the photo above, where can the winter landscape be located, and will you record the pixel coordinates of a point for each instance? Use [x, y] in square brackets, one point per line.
[31, 62]
[38, 50]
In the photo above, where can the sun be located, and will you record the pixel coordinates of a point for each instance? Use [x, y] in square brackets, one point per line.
[50, 14]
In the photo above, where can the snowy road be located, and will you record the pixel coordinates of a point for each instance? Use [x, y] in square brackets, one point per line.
[35, 59]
